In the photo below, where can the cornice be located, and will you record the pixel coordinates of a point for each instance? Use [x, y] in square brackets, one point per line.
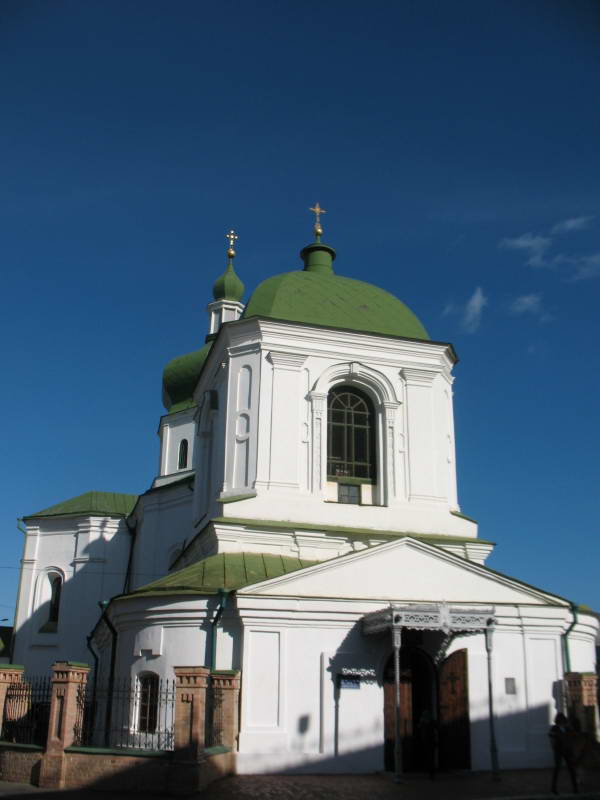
[286, 359]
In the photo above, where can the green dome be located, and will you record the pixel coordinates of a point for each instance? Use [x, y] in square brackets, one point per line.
[228, 286]
[317, 296]
[180, 377]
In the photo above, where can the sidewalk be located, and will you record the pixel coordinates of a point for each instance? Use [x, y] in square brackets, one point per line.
[514, 784]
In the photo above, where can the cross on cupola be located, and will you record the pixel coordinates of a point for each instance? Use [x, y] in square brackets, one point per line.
[317, 211]
[228, 291]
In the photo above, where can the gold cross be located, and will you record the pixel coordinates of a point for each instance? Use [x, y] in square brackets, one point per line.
[232, 236]
[318, 211]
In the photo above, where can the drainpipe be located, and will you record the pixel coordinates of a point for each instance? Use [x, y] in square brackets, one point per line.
[565, 637]
[111, 675]
[223, 594]
[95, 657]
[132, 532]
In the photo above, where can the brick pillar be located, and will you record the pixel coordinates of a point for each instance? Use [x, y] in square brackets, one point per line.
[225, 686]
[190, 711]
[582, 699]
[9, 673]
[67, 680]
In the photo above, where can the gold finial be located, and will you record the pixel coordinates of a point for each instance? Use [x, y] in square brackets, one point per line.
[317, 210]
[232, 236]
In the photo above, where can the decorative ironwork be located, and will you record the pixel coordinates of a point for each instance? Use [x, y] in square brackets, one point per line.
[27, 711]
[136, 714]
[428, 616]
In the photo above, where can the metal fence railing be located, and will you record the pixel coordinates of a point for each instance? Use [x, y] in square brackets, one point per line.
[134, 713]
[27, 711]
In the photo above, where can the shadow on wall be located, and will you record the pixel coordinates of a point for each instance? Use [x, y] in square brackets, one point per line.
[49, 632]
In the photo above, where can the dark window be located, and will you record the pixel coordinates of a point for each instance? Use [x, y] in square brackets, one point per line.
[350, 435]
[55, 590]
[148, 702]
[183, 454]
[349, 493]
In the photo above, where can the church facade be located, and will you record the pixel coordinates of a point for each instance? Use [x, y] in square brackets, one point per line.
[305, 531]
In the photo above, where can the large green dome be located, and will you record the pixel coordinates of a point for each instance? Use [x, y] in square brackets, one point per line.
[317, 296]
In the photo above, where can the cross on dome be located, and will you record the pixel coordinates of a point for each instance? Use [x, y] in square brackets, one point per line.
[317, 210]
[232, 237]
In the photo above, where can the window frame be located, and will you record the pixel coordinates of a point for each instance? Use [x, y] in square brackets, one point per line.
[357, 420]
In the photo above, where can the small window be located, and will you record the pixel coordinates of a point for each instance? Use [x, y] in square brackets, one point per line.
[348, 493]
[183, 454]
[148, 702]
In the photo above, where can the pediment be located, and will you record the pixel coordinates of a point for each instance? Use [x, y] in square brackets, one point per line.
[404, 570]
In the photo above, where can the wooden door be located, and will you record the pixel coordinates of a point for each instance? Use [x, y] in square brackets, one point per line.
[454, 732]
[406, 715]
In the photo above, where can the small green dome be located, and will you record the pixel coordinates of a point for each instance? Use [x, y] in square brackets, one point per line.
[228, 286]
[180, 377]
[317, 296]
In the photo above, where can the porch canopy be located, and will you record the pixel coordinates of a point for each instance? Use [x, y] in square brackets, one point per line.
[452, 621]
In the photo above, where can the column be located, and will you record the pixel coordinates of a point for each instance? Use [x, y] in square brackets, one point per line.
[69, 679]
[225, 685]
[582, 699]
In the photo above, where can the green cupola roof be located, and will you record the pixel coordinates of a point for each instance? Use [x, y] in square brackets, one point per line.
[229, 286]
[317, 296]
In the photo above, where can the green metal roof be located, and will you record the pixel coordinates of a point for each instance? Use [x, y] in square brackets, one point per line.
[180, 377]
[106, 503]
[317, 298]
[224, 571]
[228, 286]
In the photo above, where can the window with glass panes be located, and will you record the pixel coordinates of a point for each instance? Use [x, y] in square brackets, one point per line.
[148, 702]
[350, 435]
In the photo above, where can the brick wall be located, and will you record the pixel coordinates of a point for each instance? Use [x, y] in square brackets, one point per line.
[20, 764]
[109, 771]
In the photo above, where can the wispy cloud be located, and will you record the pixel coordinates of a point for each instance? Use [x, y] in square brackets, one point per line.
[587, 267]
[530, 304]
[533, 244]
[473, 310]
[526, 304]
[536, 246]
[572, 224]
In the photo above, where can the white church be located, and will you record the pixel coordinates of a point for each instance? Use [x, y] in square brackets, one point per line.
[304, 529]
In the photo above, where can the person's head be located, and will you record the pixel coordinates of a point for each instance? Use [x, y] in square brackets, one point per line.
[560, 719]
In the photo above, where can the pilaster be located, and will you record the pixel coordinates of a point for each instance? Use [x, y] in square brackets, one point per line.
[190, 711]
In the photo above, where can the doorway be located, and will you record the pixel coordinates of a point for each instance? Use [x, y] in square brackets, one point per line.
[427, 695]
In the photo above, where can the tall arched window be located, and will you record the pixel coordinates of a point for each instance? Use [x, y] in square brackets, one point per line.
[55, 592]
[350, 438]
[182, 461]
[148, 719]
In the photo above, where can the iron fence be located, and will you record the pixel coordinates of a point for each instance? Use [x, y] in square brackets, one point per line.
[27, 711]
[134, 714]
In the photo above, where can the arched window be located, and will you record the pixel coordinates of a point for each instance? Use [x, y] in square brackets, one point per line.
[55, 591]
[350, 437]
[182, 461]
[148, 702]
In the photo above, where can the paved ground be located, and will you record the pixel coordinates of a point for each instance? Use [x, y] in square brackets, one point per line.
[518, 785]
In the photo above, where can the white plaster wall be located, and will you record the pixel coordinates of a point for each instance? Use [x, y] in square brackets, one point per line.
[281, 437]
[163, 525]
[91, 553]
[174, 428]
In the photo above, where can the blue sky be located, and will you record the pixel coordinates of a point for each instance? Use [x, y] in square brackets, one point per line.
[454, 145]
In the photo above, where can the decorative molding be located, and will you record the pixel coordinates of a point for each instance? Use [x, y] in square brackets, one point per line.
[290, 361]
[419, 377]
[354, 372]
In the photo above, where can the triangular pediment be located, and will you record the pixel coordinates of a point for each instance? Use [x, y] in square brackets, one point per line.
[404, 570]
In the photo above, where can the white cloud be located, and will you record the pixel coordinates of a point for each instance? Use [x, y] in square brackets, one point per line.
[587, 267]
[473, 310]
[534, 245]
[527, 304]
[572, 224]
[449, 308]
